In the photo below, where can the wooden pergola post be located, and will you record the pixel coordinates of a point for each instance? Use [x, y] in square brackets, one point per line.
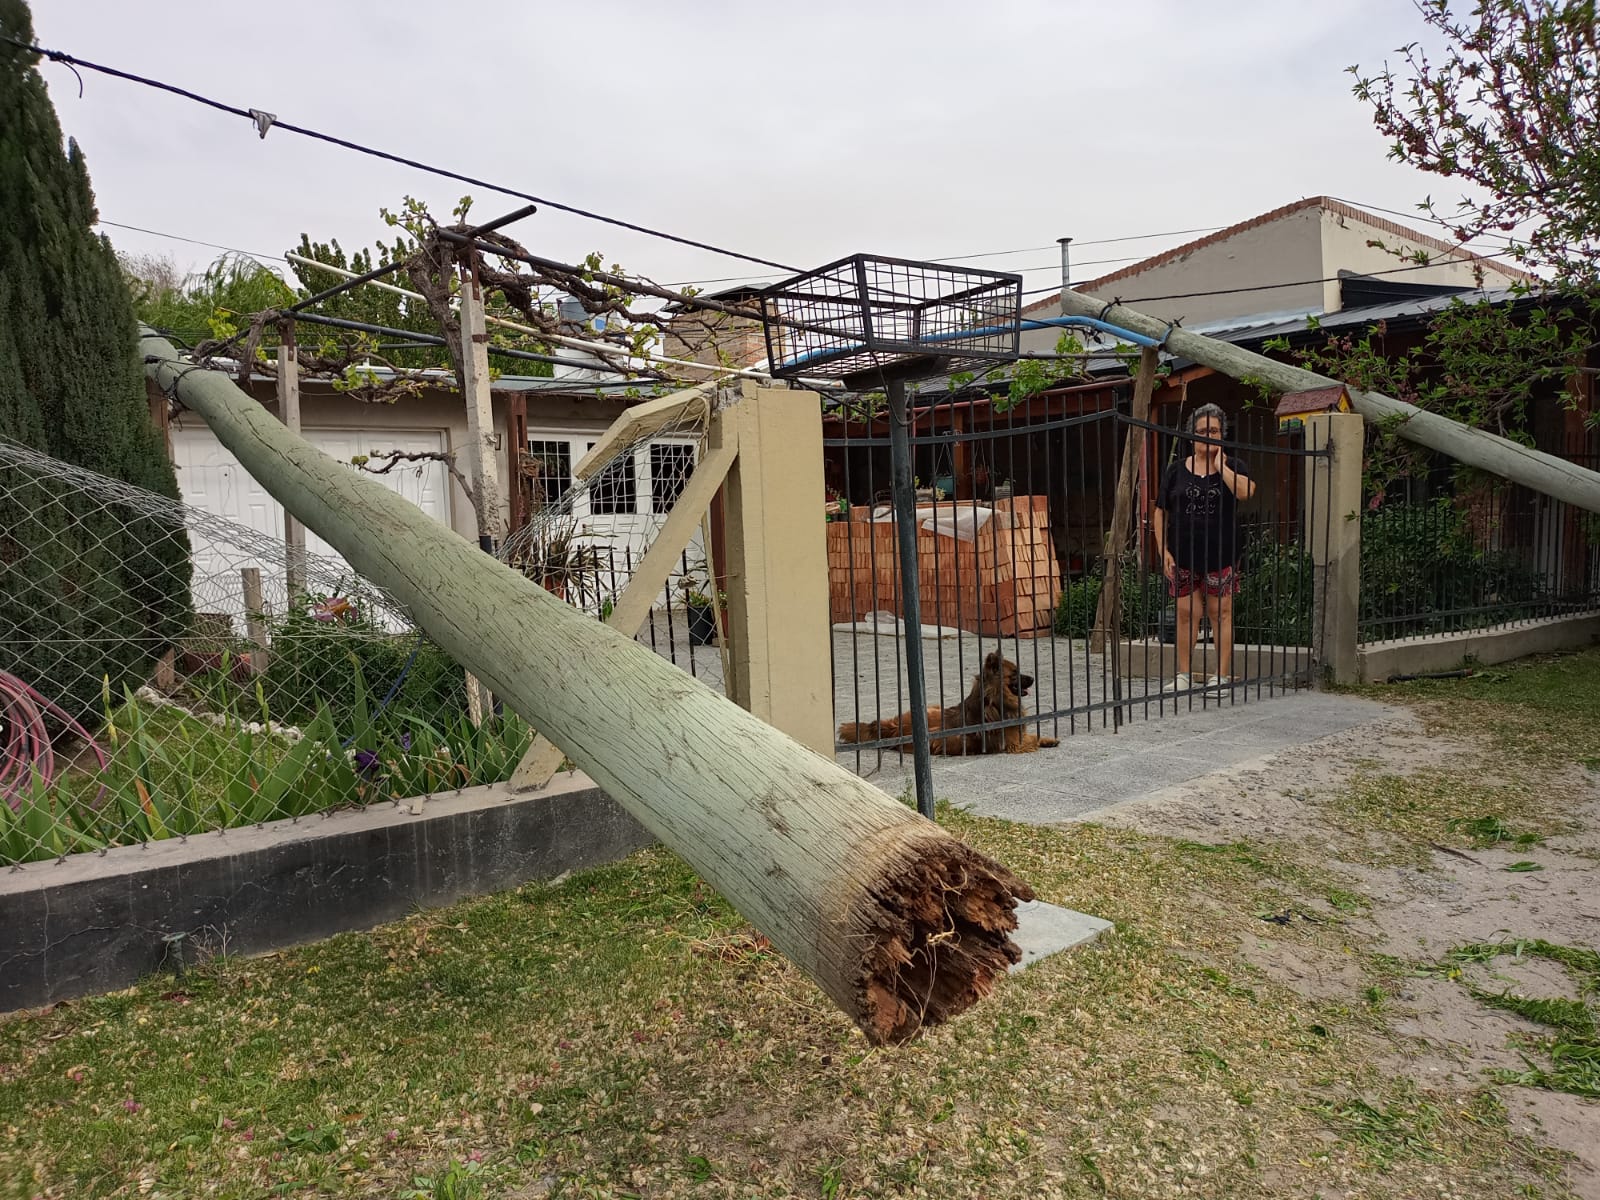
[482, 468]
[1107, 618]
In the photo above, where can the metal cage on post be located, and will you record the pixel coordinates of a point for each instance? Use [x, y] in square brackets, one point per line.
[873, 322]
[867, 318]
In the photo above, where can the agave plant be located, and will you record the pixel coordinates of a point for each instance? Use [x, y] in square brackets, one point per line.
[562, 559]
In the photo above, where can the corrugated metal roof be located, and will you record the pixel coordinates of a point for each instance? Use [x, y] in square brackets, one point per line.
[1268, 325]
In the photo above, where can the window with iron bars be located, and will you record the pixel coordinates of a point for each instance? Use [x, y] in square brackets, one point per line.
[554, 459]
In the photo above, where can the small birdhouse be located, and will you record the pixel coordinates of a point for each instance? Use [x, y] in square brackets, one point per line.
[1295, 407]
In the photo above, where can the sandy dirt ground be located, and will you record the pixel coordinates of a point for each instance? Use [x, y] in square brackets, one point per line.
[1444, 1037]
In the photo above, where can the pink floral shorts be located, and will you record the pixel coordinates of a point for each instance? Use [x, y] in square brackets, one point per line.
[1185, 582]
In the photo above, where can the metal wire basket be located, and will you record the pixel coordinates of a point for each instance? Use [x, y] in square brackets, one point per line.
[866, 318]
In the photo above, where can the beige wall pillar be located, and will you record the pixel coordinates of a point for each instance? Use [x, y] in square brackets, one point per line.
[777, 565]
[1333, 536]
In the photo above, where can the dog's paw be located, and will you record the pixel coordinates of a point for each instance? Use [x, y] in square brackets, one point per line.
[1044, 742]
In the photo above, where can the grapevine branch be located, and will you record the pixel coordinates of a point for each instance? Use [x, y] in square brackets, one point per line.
[395, 458]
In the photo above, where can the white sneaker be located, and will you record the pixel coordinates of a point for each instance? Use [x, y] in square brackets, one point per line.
[1181, 683]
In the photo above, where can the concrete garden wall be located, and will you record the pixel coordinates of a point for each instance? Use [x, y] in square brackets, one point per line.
[97, 922]
[1381, 661]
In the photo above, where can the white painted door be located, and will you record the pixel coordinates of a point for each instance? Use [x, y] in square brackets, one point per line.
[211, 480]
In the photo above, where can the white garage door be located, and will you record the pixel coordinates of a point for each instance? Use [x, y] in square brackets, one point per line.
[211, 480]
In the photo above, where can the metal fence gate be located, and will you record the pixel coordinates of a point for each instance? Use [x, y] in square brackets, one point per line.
[1013, 514]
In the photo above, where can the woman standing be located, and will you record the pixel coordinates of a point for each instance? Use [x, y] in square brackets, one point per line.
[1196, 529]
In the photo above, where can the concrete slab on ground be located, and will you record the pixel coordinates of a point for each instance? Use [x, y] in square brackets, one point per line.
[1091, 770]
[1046, 929]
[1164, 742]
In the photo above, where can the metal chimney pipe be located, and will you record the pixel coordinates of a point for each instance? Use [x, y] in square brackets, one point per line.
[1066, 270]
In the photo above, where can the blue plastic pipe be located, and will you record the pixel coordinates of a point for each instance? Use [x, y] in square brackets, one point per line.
[1116, 331]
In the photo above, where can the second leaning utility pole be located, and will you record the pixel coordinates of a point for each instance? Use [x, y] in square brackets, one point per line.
[1476, 447]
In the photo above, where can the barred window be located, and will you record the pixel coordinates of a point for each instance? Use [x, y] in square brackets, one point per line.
[554, 464]
[670, 465]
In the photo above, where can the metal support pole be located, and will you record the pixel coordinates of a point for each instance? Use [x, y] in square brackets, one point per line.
[905, 523]
[1066, 270]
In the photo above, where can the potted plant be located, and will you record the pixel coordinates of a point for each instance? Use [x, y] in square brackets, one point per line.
[702, 618]
[702, 605]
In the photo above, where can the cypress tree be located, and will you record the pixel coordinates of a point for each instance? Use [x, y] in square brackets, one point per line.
[88, 589]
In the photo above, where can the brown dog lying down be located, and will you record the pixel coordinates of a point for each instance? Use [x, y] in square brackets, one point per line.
[996, 695]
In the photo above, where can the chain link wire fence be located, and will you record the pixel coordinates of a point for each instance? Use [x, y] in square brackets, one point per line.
[159, 679]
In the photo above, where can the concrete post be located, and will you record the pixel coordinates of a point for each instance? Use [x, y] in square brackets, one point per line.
[294, 533]
[481, 466]
[1333, 537]
[777, 565]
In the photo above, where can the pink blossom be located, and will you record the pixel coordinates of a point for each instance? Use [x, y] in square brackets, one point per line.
[132, 1106]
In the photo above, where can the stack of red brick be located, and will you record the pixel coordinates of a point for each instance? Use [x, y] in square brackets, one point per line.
[1005, 582]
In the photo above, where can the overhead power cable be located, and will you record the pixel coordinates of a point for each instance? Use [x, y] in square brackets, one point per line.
[1095, 262]
[176, 237]
[264, 122]
[1132, 237]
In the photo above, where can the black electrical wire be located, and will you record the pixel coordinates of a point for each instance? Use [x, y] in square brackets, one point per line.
[432, 340]
[266, 121]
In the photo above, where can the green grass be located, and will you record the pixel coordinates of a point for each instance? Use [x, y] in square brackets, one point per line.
[176, 775]
[1394, 1131]
[1533, 712]
[1550, 683]
[625, 1033]
[1491, 830]
[1570, 1053]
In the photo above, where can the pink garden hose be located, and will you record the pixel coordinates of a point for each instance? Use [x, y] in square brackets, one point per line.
[25, 746]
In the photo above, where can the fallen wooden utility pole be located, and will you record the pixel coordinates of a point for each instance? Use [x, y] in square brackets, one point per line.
[1475, 447]
[900, 924]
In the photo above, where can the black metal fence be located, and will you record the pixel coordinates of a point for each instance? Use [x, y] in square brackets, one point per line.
[1014, 510]
[1440, 557]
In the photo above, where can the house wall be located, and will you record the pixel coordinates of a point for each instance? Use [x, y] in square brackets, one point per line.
[1289, 248]
[323, 408]
[1345, 247]
[1311, 241]
[438, 418]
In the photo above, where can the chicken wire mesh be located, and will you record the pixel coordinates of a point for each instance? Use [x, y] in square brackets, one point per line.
[584, 540]
[161, 674]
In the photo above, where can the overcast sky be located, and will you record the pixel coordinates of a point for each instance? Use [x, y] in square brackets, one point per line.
[797, 132]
